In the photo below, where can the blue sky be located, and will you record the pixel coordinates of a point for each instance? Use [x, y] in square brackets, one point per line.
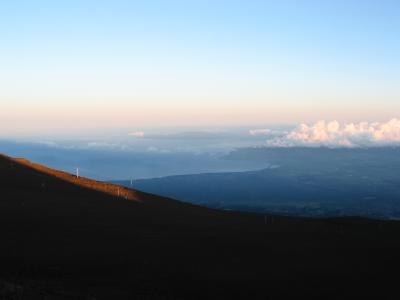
[73, 65]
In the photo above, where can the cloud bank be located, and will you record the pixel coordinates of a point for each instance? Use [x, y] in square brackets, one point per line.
[336, 135]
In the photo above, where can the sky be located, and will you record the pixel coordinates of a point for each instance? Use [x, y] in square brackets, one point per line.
[73, 66]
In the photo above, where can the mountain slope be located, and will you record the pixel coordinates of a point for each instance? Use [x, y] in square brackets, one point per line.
[69, 238]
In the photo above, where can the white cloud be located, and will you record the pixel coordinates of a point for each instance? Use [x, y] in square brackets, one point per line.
[156, 149]
[138, 134]
[267, 132]
[106, 145]
[49, 144]
[333, 134]
[264, 131]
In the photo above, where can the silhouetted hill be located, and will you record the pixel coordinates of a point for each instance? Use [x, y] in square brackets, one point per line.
[64, 237]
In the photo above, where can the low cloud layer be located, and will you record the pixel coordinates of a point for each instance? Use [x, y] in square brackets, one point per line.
[335, 135]
[267, 132]
[138, 134]
[256, 132]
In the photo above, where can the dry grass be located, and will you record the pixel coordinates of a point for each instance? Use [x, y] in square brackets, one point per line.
[110, 189]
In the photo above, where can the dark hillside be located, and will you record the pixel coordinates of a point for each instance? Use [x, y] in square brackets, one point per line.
[69, 238]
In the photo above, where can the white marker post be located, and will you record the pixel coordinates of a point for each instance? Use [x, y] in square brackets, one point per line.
[77, 172]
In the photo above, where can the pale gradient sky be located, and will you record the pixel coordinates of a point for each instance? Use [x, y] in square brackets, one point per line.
[74, 65]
